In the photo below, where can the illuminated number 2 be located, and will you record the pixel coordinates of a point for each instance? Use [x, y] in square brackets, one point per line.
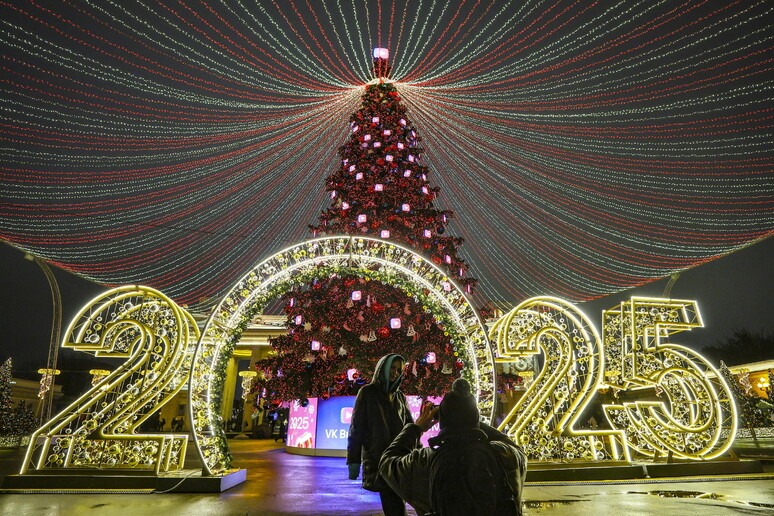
[692, 403]
[99, 430]
[543, 420]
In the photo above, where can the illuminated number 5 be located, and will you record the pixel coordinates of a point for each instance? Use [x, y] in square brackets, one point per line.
[543, 420]
[99, 430]
[692, 403]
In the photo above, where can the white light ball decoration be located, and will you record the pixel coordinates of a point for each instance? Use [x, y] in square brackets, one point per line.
[359, 176]
[447, 258]
[388, 157]
[377, 145]
[375, 120]
[401, 146]
[447, 286]
[405, 207]
[357, 295]
[378, 187]
[402, 121]
[395, 323]
[386, 132]
[352, 168]
[345, 206]
[430, 358]
[381, 53]
[427, 233]
[366, 137]
[407, 173]
[384, 233]
[362, 218]
[299, 320]
[315, 345]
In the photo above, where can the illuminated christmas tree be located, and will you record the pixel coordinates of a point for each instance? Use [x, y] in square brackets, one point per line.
[6, 405]
[338, 328]
[751, 413]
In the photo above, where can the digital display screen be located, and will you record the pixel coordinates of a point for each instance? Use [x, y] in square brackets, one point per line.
[302, 424]
[333, 422]
[325, 424]
[415, 405]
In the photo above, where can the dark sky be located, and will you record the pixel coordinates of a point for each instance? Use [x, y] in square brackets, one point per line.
[736, 291]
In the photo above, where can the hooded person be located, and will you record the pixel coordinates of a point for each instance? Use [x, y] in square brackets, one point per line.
[380, 413]
[469, 469]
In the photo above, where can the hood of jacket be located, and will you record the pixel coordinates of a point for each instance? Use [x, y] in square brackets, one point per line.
[382, 373]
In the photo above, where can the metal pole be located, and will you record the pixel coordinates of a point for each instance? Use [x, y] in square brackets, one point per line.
[56, 330]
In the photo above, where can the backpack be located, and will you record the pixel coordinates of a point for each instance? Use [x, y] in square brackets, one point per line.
[467, 478]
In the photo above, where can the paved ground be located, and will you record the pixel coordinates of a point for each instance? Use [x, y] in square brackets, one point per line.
[279, 483]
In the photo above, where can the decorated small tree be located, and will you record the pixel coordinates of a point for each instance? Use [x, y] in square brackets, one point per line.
[18, 420]
[339, 327]
[6, 405]
[751, 412]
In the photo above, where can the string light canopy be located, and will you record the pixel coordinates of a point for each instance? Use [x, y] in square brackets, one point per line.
[584, 149]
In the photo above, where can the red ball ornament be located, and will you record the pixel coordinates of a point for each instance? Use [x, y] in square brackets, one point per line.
[426, 246]
[383, 332]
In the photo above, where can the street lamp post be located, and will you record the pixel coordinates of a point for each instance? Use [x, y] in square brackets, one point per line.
[56, 328]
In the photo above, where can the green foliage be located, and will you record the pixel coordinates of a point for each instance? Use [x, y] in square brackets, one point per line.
[752, 413]
[742, 347]
[19, 420]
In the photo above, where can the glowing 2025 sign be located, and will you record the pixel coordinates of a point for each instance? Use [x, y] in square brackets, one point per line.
[695, 403]
[162, 350]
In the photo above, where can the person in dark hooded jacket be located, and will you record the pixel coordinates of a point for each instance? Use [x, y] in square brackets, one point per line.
[470, 469]
[380, 413]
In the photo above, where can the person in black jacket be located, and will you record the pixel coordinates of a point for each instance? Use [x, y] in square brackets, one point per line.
[469, 469]
[380, 412]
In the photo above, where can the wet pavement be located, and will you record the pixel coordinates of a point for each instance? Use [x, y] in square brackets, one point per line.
[279, 483]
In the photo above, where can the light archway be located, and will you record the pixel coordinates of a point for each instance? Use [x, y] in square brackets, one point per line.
[372, 258]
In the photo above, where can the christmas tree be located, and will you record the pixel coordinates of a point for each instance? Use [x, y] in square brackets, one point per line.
[751, 413]
[6, 405]
[340, 326]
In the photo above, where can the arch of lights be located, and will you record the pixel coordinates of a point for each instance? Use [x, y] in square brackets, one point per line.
[370, 258]
[693, 403]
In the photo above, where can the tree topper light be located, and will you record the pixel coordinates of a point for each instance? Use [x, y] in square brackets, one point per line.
[381, 53]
